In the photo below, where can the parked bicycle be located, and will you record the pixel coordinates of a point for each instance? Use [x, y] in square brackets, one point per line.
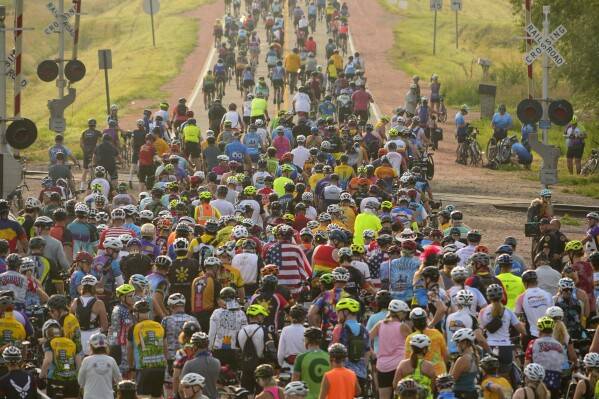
[442, 113]
[500, 153]
[469, 152]
[592, 164]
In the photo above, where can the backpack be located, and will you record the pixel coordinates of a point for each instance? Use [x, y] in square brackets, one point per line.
[484, 282]
[495, 323]
[250, 354]
[355, 344]
[181, 110]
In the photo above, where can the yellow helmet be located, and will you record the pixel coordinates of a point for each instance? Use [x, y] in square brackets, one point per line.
[256, 310]
[574, 245]
[348, 303]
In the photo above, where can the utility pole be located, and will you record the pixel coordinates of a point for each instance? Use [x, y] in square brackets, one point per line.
[60, 82]
[435, 33]
[528, 19]
[76, 28]
[3, 144]
[546, 10]
[18, 56]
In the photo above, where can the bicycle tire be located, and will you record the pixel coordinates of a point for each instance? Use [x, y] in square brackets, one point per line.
[430, 168]
[442, 117]
[491, 149]
[475, 155]
[590, 167]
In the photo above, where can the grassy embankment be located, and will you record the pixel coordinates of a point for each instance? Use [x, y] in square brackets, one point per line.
[487, 29]
[139, 70]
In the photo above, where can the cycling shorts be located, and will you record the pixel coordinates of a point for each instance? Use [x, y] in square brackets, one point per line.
[150, 381]
[277, 83]
[220, 78]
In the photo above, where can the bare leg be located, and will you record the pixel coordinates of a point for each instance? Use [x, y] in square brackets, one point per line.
[578, 165]
[570, 165]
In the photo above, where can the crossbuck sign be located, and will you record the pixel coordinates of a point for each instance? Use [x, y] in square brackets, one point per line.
[545, 45]
[60, 19]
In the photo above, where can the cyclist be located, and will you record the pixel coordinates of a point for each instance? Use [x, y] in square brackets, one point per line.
[571, 306]
[192, 385]
[225, 323]
[492, 385]
[512, 283]
[415, 366]
[292, 65]
[533, 383]
[90, 311]
[98, 372]
[339, 382]
[585, 386]
[465, 370]
[311, 364]
[438, 351]
[252, 339]
[532, 304]
[121, 321]
[61, 362]
[17, 382]
[461, 126]
[173, 324]
[501, 123]
[265, 378]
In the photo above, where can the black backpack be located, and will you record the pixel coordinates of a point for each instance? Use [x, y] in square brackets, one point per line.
[355, 344]
[250, 354]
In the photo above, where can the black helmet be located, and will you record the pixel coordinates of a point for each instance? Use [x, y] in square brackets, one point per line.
[382, 298]
[4, 207]
[59, 214]
[227, 293]
[313, 333]
[338, 351]
[529, 275]
[37, 242]
[4, 247]
[431, 272]
[264, 371]
[450, 258]
[474, 235]
[269, 281]
[190, 327]
[141, 306]
[58, 301]
[489, 363]
[13, 261]
[127, 386]
[297, 312]
[384, 239]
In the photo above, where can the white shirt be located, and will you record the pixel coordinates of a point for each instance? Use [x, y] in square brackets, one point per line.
[362, 268]
[395, 159]
[399, 142]
[478, 302]
[223, 206]
[332, 193]
[258, 178]
[533, 303]
[302, 23]
[247, 264]
[255, 210]
[232, 116]
[291, 342]
[97, 375]
[257, 333]
[263, 133]
[460, 319]
[300, 155]
[311, 213]
[247, 108]
[548, 278]
[465, 254]
[104, 183]
[301, 102]
[500, 337]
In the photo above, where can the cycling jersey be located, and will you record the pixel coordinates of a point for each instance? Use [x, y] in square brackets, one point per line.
[191, 134]
[148, 349]
[423, 380]
[63, 366]
[436, 350]
[172, 325]
[400, 273]
[219, 70]
[11, 330]
[311, 366]
[278, 73]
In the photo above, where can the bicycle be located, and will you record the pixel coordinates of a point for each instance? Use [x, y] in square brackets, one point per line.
[470, 149]
[592, 164]
[208, 96]
[220, 86]
[442, 112]
[126, 148]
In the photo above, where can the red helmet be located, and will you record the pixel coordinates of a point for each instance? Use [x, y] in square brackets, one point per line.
[412, 193]
[287, 157]
[408, 245]
[194, 180]
[83, 257]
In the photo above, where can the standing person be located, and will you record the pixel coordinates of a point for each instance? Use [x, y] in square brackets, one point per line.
[533, 383]
[311, 365]
[202, 363]
[107, 155]
[90, 311]
[361, 100]
[146, 352]
[532, 304]
[461, 125]
[191, 141]
[391, 333]
[265, 378]
[61, 362]
[339, 382]
[465, 369]
[435, 87]
[585, 386]
[415, 366]
[88, 142]
[17, 383]
[99, 371]
[575, 144]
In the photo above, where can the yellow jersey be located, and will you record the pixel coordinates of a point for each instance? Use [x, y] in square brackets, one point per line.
[292, 62]
[11, 330]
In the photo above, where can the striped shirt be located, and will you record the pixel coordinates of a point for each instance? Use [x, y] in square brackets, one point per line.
[114, 232]
[294, 267]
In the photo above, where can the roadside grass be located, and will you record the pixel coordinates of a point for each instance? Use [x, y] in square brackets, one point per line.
[570, 221]
[139, 69]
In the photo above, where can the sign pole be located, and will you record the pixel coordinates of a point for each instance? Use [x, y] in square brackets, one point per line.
[456, 28]
[77, 4]
[435, 32]
[107, 91]
[152, 21]
[60, 82]
[3, 144]
[546, 10]
[528, 19]
[18, 56]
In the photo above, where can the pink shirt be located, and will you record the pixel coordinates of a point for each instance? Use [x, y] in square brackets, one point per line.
[361, 100]
[391, 346]
[281, 143]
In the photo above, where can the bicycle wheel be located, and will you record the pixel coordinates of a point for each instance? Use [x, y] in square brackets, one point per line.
[590, 167]
[491, 149]
[430, 167]
[475, 155]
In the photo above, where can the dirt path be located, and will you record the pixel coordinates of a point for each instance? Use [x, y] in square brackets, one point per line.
[389, 84]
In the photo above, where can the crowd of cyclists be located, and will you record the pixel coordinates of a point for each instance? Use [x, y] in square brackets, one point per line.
[298, 257]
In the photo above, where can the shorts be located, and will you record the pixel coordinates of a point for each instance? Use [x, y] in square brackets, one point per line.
[505, 356]
[575, 151]
[248, 84]
[363, 115]
[87, 159]
[63, 389]
[385, 378]
[150, 381]
[193, 149]
[277, 83]
[254, 118]
[461, 139]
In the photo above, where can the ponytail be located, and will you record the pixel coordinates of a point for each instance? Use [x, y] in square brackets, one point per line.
[560, 332]
[496, 309]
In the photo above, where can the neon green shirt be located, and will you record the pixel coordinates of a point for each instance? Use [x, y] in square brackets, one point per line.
[513, 287]
[259, 106]
[363, 222]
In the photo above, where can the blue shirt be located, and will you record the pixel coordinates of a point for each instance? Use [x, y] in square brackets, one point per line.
[526, 131]
[459, 119]
[55, 149]
[372, 320]
[236, 151]
[517, 268]
[400, 274]
[524, 156]
[502, 121]
[327, 108]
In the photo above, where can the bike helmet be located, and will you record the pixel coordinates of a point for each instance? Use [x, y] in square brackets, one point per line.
[450, 258]
[463, 334]
[117, 213]
[591, 360]
[489, 363]
[397, 305]
[98, 340]
[12, 354]
[574, 245]
[464, 298]
[37, 242]
[43, 221]
[27, 265]
[327, 278]
[148, 230]
[504, 249]
[357, 249]
[264, 371]
[545, 193]
[100, 171]
[444, 381]
[566, 283]
[180, 244]
[163, 261]
[176, 299]
[529, 275]
[545, 323]
[480, 258]
[101, 217]
[420, 341]
[256, 310]
[113, 243]
[592, 215]
[431, 272]
[199, 338]
[124, 289]
[368, 233]
[307, 197]
[13, 261]
[296, 388]
[554, 312]
[340, 274]
[193, 379]
[139, 280]
[240, 232]
[89, 280]
[348, 304]
[32, 203]
[125, 238]
[417, 314]
[344, 252]
[494, 292]
[127, 386]
[504, 259]
[337, 351]
[141, 306]
[408, 386]
[249, 190]
[50, 325]
[227, 293]
[58, 301]
[534, 372]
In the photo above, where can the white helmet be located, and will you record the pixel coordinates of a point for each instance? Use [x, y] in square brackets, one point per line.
[32, 202]
[345, 196]
[125, 238]
[212, 261]
[146, 214]
[148, 229]
[591, 360]
[89, 280]
[459, 273]
[80, 207]
[181, 244]
[340, 274]
[240, 232]
[534, 372]
[118, 213]
[463, 334]
[397, 305]
[27, 264]
[193, 379]
[175, 300]
[51, 323]
[139, 280]
[102, 217]
[333, 208]
[142, 195]
[307, 196]
[566, 283]
[464, 298]
[554, 311]
[101, 228]
[298, 388]
[369, 233]
[113, 243]
[420, 341]
[98, 340]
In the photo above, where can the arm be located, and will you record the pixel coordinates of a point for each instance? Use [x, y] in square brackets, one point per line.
[581, 390]
[459, 367]
[314, 319]
[324, 388]
[48, 357]
[102, 316]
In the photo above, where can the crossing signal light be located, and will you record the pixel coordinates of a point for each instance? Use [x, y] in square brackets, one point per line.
[21, 133]
[74, 70]
[47, 70]
[560, 112]
[529, 111]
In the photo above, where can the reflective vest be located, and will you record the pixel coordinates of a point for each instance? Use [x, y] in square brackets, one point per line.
[148, 345]
[203, 212]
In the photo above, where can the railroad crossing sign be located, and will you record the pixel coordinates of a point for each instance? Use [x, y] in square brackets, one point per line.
[545, 45]
[10, 68]
[436, 5]
[54, 27]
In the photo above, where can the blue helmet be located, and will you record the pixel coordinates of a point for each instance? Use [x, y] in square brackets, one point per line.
[504, 249]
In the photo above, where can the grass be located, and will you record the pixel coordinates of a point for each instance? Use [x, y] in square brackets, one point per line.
[487, 29]
[570, 221]
[139, 70]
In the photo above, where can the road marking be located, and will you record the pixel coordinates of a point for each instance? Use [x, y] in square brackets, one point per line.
[375, 108]
[198, 86]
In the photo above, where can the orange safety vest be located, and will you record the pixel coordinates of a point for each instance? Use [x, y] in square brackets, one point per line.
[203, 212]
